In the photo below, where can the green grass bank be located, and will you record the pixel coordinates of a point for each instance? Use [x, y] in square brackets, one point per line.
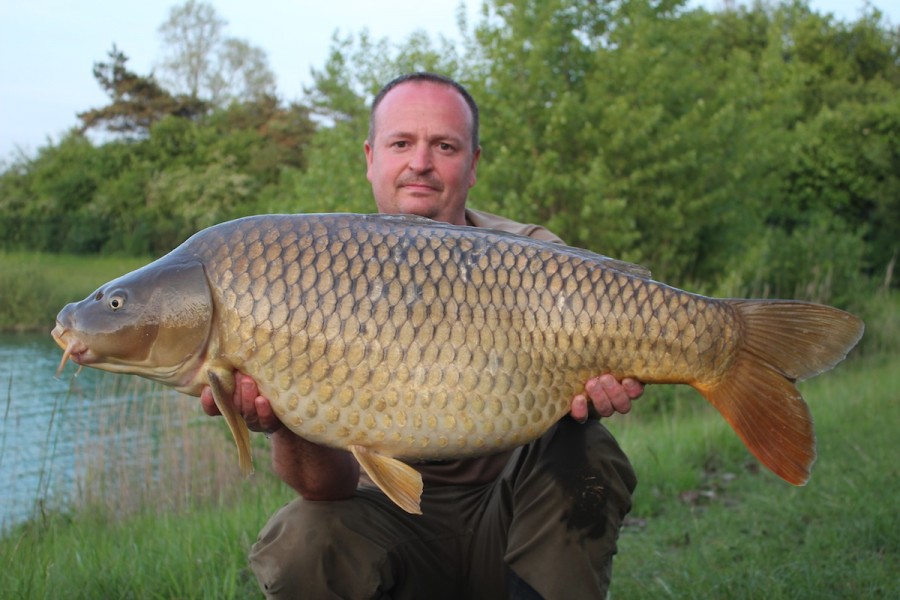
[708, 523]
[35, 286]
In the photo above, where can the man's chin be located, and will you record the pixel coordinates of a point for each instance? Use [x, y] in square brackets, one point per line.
[420, 204]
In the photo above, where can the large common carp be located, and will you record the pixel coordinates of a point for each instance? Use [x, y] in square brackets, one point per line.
[396, 337]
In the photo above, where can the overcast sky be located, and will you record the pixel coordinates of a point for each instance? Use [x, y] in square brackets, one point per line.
[48, 47]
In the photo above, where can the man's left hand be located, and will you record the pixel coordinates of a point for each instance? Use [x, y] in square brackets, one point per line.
[607, 396]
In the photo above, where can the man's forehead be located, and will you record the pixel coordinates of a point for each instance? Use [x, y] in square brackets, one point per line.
[433, 97]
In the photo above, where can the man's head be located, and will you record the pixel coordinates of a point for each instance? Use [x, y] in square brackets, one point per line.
[422, 150]
[424, 76]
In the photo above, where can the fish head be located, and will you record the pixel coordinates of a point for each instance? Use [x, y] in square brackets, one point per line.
[154, 322]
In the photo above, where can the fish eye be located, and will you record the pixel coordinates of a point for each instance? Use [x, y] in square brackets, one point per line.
[116, 301]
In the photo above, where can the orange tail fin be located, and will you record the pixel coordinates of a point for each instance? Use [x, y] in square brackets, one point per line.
[782, 342]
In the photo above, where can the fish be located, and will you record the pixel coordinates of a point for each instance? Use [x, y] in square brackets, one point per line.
[402, 339]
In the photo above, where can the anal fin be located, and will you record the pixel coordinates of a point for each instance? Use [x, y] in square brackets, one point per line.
[400, 482]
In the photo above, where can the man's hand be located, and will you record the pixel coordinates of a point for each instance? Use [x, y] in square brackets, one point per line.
[315, 472]
[607, 395]
[255, 409]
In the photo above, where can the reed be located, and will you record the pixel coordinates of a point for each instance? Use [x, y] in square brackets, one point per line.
[158, 506]
[151, 451]
[138, 447]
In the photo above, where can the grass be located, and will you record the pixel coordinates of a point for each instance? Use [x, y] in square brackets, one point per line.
[709, 524]
[160, 508]
[36, 286]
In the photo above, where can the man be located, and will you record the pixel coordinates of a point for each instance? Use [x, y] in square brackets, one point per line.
[539, 521]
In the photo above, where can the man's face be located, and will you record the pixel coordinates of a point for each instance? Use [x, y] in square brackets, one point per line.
[421, 160]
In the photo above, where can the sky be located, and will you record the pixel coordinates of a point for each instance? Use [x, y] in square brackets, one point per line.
[48, 47]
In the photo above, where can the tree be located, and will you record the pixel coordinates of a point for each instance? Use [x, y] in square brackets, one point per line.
[241, 73]
[137, 102]
[204, 64]
[749, 151]
[543, 159]
[281, 134]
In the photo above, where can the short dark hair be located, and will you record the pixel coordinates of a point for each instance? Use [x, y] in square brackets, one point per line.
[431, 78]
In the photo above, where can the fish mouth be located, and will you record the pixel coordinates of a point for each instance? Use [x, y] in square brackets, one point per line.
[73, 347]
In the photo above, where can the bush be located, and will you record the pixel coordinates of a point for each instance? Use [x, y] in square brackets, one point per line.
[29, 298]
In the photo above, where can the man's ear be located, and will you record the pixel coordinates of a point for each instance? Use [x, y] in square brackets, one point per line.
[474, 168]
[367, 148]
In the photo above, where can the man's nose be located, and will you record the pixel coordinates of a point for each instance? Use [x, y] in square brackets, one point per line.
[421, 159]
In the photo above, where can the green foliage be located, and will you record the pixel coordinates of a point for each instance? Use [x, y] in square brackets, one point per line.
[146, 196]
[671, 138]
[881, 313]
[136, 102]
[679, 100]
[26, 299]
[539, 161]
[749, 151]
[36, 286]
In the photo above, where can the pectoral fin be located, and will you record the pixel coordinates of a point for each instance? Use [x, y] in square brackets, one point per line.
[222, 393]
[400, 482]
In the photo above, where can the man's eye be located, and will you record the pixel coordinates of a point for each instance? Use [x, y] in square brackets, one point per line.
[401, 144]
[446, 147]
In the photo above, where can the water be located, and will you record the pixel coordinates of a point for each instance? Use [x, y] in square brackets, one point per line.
[48, 422]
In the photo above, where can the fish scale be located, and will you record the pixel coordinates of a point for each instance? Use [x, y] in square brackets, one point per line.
[396, 337]
[416, 363]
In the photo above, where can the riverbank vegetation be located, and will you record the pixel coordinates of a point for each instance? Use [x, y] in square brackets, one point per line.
[708, 524]
[159, 508]
[751, 151]
[37, 285]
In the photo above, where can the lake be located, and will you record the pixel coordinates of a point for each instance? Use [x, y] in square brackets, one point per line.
[71, 438]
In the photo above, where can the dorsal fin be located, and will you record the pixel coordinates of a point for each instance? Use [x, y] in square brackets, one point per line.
[606, 262]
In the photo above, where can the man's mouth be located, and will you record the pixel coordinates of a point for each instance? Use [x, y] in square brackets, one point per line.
[418, 187]
[424, 185]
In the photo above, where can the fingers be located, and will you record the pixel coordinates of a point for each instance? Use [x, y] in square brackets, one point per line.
[633, 387]
[579, 410]
[609, 396]
[255, 409]
[267, 419]
[245, 393]
[208, 403]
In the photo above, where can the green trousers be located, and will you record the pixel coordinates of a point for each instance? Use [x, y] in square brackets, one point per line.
[552, 517]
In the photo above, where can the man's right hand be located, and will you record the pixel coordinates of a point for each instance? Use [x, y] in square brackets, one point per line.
[315, 472]
[255, 409]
